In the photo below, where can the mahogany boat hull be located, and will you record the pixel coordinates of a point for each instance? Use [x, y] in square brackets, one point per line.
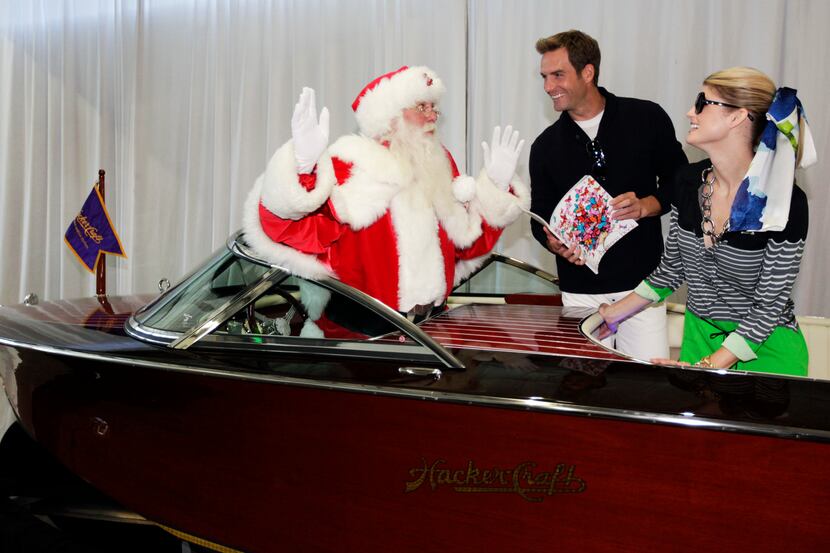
[268, 466]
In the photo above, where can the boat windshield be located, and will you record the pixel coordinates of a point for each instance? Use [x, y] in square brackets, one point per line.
[193, 301]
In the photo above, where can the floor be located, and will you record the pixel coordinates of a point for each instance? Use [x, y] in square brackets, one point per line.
[32, 485]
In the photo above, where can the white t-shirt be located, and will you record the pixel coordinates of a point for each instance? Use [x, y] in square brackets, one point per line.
[591, 126]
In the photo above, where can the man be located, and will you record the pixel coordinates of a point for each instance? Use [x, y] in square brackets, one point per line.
[385, 211]
[630, 147]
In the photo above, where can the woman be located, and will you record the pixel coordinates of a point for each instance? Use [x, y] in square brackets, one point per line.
[738, 226]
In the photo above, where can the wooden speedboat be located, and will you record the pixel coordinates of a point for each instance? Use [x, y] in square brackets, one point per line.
[489, 427]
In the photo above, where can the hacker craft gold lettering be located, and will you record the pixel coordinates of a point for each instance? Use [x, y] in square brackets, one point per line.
[525, 479]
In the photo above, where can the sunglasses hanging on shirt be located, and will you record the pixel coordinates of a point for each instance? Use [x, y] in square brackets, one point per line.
[598, 169]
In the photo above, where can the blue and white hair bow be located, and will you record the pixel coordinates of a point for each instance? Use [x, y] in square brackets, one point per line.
[762, 202]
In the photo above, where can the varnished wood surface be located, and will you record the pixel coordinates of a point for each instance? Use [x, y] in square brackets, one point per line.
[514, 328]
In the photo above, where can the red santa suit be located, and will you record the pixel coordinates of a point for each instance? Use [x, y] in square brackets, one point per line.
[362, 218]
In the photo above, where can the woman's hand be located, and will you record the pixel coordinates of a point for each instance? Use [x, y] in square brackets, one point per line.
[721, 359]
[610, 322]
[614, 314]
[669, 362]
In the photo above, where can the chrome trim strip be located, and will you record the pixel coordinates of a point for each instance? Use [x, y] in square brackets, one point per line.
[593, 321]
[408, 352]
[421, 372]
[589, 324]
[518, 263]
[218, 315]
[136, 330]
[455, 397]
[406, 326]
[242, 250]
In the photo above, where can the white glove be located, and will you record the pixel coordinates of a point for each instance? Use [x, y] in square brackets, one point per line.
[310, 137]
[500, 161]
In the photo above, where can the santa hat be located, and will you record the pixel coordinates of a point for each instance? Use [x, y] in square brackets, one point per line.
[383, 99]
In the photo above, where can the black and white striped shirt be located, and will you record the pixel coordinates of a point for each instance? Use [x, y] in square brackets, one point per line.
[747, 278]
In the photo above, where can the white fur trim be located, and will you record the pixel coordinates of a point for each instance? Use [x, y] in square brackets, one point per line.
[282, 192]
[466, 267]
[311, 330]
[314, 298]
[498, 207]
[464, 188]
[374, 180]
[463, 225]
[402, 90]
[421, 278]
[298, 263]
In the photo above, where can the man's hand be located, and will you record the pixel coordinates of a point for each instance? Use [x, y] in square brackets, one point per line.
[310, 136]
[629, 206]
[572, 254]
[500, 160]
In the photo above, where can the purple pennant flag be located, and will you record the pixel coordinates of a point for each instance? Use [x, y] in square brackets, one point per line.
[91, 232]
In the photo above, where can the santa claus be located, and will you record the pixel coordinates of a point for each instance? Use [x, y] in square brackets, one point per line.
[385, 211]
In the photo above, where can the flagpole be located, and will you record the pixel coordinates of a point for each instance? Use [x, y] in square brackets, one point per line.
[101, 265]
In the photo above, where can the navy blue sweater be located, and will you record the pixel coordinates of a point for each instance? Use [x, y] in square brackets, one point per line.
[642, 156]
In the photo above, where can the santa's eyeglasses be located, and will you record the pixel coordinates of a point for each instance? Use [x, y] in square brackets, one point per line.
[427, 108]
[701, 102]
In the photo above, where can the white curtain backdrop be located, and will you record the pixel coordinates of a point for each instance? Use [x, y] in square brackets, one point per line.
[182, 102]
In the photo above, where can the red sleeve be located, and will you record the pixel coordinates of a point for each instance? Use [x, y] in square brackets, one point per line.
[483, 245]
[315, 232]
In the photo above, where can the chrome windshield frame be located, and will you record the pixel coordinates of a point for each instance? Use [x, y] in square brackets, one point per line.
[226, 310]
[402, 323]
[215, 318]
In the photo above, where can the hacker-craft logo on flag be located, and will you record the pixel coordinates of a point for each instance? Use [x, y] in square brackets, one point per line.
[91, 232]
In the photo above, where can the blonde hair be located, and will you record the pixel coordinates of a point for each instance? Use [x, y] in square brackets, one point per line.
[749, 88]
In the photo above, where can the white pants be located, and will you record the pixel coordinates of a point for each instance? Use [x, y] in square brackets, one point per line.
[643, 336]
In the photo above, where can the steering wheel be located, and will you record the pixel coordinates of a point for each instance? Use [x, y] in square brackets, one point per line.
[288, 297]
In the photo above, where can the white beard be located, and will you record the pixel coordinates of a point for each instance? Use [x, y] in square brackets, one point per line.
[421, 157]
[425, 193]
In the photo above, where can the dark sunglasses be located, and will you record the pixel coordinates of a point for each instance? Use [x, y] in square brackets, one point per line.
[701, 102]
[595, 150]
